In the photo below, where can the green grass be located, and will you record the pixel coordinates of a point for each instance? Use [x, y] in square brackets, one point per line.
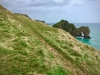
[57, 70]
[29, 48]
[74, 53]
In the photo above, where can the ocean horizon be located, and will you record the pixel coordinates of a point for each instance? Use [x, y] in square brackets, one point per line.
[94, 34]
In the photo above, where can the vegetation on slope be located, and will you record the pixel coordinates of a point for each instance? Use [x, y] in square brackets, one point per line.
[29, 47]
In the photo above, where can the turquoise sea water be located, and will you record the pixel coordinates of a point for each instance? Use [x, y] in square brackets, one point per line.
[94, 33]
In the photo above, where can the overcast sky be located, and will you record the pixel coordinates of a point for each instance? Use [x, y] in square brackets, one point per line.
[75, 11]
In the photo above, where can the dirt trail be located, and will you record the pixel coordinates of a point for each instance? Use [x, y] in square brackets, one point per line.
[59, 58]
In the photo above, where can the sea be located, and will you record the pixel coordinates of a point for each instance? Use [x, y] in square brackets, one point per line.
[94, 34]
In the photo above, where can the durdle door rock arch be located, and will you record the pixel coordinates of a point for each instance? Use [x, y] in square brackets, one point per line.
[85, 30]
[69, 27]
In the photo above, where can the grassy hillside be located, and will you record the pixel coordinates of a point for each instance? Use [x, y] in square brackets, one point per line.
[29, 47]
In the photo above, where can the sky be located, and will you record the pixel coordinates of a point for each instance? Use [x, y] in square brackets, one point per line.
[52, 11]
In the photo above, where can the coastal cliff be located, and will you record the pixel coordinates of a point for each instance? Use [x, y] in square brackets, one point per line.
[69, 27]
[28, 47]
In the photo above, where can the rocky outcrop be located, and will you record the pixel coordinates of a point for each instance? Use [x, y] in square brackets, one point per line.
[69, 27]
[65, 25]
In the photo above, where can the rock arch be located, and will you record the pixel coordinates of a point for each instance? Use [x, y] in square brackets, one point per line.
[69, 27]
[85, 30]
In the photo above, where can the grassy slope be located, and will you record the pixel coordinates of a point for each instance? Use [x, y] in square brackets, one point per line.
[28, 47]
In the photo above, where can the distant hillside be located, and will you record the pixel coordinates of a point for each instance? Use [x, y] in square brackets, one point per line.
[29, 47]
[40, 21]
[22, 14]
